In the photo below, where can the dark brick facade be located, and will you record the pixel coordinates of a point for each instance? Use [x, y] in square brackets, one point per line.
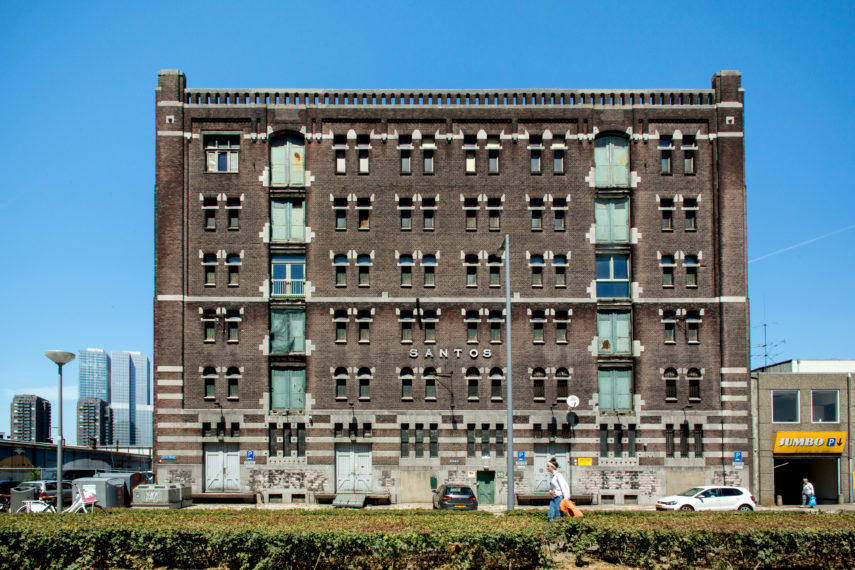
[195, 217]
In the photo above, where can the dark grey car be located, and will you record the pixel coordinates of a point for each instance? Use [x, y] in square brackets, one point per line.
[455, 497]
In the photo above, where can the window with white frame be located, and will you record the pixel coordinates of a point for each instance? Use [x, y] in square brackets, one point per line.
[429, 214]
[340, 264]
[340, 150]
[470, 149]
[363, 325]
[209, 209]
[824, 406]
[470, 264]
[405, 262]
[670, 377]
[536, 207]
[233, 208]
[689, 148]
[209, 325]
[288, 161]
[496, 380]
[536, 148]
[536, 265]
[494, 268]
[693, 327]
[405, 145]
[614, 388]
[363, 270]
[407, 320]
[559, 265]
[362, 147]
[288, 276]
[611, 216]
[233, 320]
[429, 376]
[340, 377]
[559, 214]
[222, 152]
[340, 320]
[429, 269]
[405, 210]
[690, 211]
[363, 214]
[669, 322]
[538, 325]
[406, 378]
[209, 379]
[233, 383]
[558, 150]
[288, 220]
[494, 213]
[667, 264]
[538, 383]
[665, 150]
[428, 149]
[612, 276]
[340, 213]
[493, 148]
[785, 406]
[562, 325]
[562, 384]
[694, 378]
[209, 265]
[691, 266]
[470, 214]
[364, 378]
[614, 332]
[473, 375]
[429, 320]
[495, 321]
[471, 320]
[611, 161]
[666, 213]
[233, 269]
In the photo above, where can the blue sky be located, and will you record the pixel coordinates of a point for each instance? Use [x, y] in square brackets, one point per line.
[77, 102]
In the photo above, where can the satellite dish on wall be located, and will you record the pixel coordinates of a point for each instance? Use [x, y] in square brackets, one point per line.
[572, 401]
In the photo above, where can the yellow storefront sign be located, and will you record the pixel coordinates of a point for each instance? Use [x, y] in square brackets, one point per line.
[809, 442]
[585, 461]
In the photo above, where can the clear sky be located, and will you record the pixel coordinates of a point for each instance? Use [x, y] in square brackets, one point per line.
[77, 102]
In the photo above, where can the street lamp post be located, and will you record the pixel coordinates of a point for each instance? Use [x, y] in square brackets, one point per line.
[60, 357]
[506, 247]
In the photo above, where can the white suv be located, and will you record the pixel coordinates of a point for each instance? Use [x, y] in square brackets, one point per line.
[709, 498]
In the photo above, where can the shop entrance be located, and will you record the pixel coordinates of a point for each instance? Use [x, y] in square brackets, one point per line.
[823, 472]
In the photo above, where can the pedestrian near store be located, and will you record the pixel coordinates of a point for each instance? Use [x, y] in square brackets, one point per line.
[558, 489]
[808, 493]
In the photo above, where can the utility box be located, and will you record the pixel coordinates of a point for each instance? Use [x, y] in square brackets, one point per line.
[17, 496]
[110, 493]
[168, 496]
[130, 479]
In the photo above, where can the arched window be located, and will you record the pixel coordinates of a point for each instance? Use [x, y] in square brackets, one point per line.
[340, 378]
[429, 264]
[562, 383]
[406, 377]
[363, 266]
[340, 263]
[430, 383]
[406, 263]
[233, 265]
[670, 376]
[287, 161]
[472, 377]
[538, 378]
[496, 377]
[364, 378]
[611, 160]
[536, 263]
[232, 381]
[209, 378]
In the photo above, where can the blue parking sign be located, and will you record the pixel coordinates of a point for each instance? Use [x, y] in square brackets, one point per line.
[250, 455]
[737, 456]
[520, 456]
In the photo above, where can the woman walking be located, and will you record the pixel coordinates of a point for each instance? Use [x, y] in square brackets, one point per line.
[558, 489]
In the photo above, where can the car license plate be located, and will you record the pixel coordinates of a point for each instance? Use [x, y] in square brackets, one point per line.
[459, 506]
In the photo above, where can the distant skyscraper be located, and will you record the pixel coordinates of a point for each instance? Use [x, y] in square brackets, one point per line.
[94, 421]
[93, 365]
[130, 387]
[30, 418]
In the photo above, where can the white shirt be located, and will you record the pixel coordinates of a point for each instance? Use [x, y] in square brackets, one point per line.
[559, 484]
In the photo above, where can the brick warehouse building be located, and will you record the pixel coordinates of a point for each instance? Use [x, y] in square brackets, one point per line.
[330, 303]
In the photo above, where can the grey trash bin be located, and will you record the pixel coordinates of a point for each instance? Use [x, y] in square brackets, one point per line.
[17, 496]
[109, 493]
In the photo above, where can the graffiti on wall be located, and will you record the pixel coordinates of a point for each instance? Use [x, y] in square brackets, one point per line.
[314, 481]
[640, 481]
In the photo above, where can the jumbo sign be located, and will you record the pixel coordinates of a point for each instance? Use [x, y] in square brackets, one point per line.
[809, 442]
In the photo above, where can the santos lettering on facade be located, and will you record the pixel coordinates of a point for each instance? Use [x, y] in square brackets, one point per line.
[810, 442]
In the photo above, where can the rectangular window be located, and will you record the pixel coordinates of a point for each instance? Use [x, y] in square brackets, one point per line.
[470, 150]
[485, 440]
[611, 217]
[210, 387]
[472, 389]
[233, 207]
[405, 145]
[288, 220]
[430, 329]
[363, 213]
[823, 405]
[665, 150]
[615, 389]
[288, 276]
[434, 440]
[631, 439]
[470, 440]
[612, 276]
[340, 148]
[222, 152]
[669, 440]
[694, 389]
[428, 212]
[430, 388]
[364, 388]
[604, 440]
[209, 208]
[618, 441]
[535, 160]
[689, 148]
[500, 440]
[785, 406]
[539, 389]
[493, 148]
[690, 208]
[611, 161]
[340, 211]
[405, 440]
[341, 388]
[406, 332]
[559, 212]
[684, 440]
[691, 265]
[668, 265]
[232, 388]
[699, 440]
[232, 325]
[536, 207]
[470, 211]
[693, 326]
[669, 320]
[362, 148]
[420, 440]
[287, 161]
[614, 330]
[558, 149]
[287, 331]
[405, 207]
[428, 149]
[670, 389]
[494, 212]
[287, 389]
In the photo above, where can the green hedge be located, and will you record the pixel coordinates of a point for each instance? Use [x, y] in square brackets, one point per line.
[423, 539]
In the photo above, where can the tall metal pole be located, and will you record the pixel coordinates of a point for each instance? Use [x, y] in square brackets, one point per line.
[510, 475]
[60, 357]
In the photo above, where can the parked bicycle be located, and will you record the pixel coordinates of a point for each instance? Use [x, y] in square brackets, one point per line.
[83, 503]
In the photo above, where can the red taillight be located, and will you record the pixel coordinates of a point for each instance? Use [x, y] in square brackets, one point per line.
[753, 500]
[43, 495]
[446, 498]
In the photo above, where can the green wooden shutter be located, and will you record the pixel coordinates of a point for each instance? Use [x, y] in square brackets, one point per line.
[280, 395]
[606, 389]
[298, 389]
[297, 161]
[620, 161]
[279, 220]
[622, 389]
[278, 160]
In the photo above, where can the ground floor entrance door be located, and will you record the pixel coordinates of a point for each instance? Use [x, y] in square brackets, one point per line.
[222, 467]
[353, 468]
[543, 452]
[486, 487]
[823, 472]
